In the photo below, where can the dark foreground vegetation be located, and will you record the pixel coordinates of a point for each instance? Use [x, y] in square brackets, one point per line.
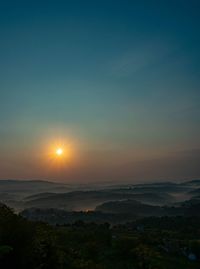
[149, 243]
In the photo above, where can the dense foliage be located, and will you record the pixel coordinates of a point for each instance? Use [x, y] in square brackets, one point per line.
[150, 243]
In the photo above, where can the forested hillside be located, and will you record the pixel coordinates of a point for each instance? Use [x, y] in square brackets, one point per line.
[150, 243]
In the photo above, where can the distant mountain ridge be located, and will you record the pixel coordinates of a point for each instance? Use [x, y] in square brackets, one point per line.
[21, 194]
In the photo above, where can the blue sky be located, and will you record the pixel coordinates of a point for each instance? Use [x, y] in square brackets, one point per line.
[119, 78]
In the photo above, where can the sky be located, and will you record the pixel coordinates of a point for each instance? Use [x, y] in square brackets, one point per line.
[117, 82]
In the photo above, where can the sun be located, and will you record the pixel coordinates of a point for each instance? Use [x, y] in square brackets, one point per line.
[59, 151]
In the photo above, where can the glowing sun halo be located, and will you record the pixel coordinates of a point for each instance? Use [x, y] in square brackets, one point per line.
[59, 151]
